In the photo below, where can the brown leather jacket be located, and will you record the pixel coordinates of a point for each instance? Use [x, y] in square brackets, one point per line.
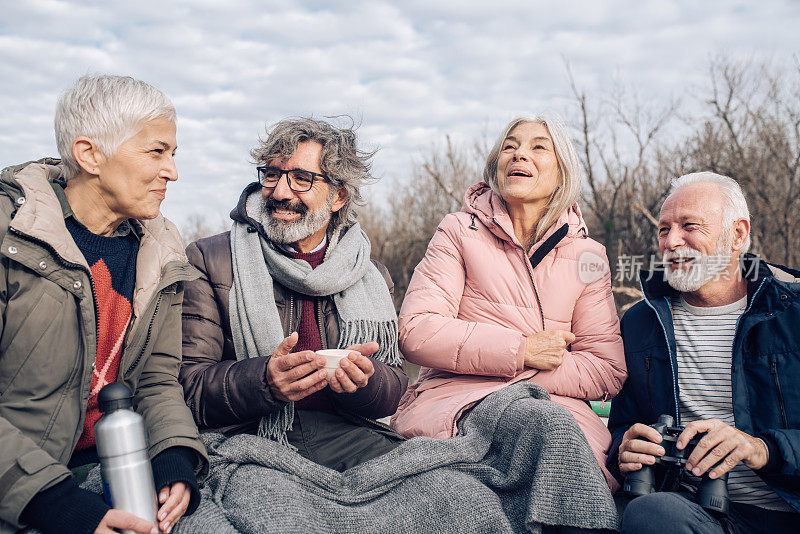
[227, 394]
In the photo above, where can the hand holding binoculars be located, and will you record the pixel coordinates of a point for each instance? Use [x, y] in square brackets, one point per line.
[712, 493]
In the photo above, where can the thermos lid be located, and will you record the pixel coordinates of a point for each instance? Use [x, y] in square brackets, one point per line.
[115, 396]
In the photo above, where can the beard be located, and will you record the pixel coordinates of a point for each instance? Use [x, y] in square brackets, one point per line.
[703, 268]
[288, 232]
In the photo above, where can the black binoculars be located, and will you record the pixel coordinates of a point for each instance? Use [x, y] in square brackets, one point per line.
[712, 494]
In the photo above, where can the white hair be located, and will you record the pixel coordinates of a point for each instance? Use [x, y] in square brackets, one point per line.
[107, 109]
[734, 206]
[569, 189]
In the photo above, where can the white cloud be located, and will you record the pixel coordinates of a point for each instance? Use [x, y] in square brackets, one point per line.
[409, 73]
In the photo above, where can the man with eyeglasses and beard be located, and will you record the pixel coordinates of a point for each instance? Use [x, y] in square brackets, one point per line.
[294, 276]
[716, 345]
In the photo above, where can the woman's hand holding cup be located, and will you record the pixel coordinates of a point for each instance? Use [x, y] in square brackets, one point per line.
[544, 350]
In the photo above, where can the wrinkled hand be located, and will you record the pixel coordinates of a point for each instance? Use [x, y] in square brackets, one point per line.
[292, 376]
[635, 452]
[722, 443]
[354, 371]
[174, 500]
[545, 350]
[116, 520]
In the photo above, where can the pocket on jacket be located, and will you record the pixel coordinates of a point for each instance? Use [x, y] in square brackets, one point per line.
[150, 330]
[435, 406]
[557, 324]
[649, 380]
[434, 383]
[785, 370]
[413, 391]
[34, 335]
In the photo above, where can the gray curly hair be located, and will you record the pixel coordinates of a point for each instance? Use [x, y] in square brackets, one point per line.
[341, 161]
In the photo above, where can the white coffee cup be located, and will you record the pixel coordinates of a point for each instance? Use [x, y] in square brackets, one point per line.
[332, 359]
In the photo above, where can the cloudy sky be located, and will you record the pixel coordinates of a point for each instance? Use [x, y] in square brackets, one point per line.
[409, 72]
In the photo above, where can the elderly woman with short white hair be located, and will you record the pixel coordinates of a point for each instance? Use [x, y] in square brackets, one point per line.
[512, 289]
[91, 284]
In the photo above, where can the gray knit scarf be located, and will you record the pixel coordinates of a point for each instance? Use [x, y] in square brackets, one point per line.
[363, 304]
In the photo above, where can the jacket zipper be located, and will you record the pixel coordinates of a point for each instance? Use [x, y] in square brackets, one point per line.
[669, 353]
[530, 271]
[160, 289]
[165, 283]
[147, 337]
[320, 326]
[539, 302]
[291, 313]
[773, 368]
[737, 338]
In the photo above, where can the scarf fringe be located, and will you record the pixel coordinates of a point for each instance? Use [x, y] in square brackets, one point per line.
[384, 332]
[275, 427]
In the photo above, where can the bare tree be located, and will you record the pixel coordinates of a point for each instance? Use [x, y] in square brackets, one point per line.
[748, 127]
[400, 232]
[752, 134]
[622, 150]
[198, 226]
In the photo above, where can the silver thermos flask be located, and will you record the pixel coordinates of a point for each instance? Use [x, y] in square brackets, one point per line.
[122, 448]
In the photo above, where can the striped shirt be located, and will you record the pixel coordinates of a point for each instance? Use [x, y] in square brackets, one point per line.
[704, 339]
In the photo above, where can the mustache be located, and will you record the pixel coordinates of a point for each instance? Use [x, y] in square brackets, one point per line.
[272, 204]
[683, 252]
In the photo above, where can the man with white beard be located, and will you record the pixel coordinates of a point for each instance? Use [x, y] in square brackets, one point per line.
[716, 345]
[292, 277]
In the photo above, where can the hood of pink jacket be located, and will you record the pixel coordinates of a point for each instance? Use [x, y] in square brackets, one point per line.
[489, 208]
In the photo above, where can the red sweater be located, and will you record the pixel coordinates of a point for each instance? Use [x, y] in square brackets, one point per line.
[111, 261]
[308, 332]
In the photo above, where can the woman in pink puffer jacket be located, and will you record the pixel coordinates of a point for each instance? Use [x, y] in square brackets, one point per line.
[484, 310]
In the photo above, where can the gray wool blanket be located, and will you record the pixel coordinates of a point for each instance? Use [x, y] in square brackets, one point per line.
[520, 461]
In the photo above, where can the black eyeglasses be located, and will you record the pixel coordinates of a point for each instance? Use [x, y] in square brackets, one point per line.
[299, 180]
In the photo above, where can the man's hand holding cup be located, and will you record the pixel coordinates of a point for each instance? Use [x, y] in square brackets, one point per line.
[354, 368]
[292, 376]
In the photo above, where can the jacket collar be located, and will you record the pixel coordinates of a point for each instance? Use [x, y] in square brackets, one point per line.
[39, 215]
[489, 208]
[239, 213]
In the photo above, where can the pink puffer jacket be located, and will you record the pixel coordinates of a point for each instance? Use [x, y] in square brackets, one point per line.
[474, 298]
